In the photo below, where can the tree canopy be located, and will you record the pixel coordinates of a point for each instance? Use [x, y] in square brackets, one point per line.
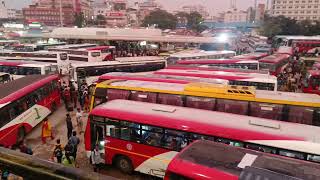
[162, 19]
[281, 25]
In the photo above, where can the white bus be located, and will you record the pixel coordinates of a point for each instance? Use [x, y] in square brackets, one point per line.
[61, 58]
[19, 69]
[90, 72]
[196, 54]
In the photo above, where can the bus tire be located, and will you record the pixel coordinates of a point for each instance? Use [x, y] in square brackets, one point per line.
[21, 134]
[124, 164]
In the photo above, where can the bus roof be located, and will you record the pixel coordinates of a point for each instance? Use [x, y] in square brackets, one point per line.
[210, 156]
[254, 55]
[215, 68]
[24, 63]
[217, 61]
[33, 52]
[298, 137]
[275, 58]
[100, 47]
[140, 58]
[76, 46]
[298, 37]
[199, 53]
[216, 91]
[252, 77]
[16, 89]
[158, 78]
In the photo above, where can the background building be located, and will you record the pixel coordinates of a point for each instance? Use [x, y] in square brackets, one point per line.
[48, 11]
[116, 15]
[6, 13]
[234, 15]
[296, 9]
[196, 8]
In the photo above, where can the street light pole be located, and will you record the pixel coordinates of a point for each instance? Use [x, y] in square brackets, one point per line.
[61, 22]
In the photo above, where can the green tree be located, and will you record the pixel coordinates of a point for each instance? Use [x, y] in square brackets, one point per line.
[194, 21]
[79, 20]
[161, 18]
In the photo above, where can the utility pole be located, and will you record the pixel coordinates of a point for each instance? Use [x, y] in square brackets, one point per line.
[61, 21]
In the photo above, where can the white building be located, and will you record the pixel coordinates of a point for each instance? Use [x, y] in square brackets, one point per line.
[196, 8]
[296, 9]
[234, 16]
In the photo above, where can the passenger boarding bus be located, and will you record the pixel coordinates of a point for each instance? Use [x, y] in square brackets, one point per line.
[196, 54]
[90, 54]
[4, 78]
[145, 137]
[18, 69]
[275, 63]
[283, 106]
[61, 58]
[252, 56]
[260, 81]
[90, 72]
[157, 78]
[208, 160]
[225, 63]
[24, 103]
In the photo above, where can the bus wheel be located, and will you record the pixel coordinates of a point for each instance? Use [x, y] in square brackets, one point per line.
[21, 134]
[124, 164]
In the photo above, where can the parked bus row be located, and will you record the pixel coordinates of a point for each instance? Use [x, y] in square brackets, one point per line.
[145, 137]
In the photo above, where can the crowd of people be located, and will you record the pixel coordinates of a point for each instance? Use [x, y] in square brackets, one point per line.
[292, 77]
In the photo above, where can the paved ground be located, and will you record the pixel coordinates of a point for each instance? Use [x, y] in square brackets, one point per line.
[44, 151]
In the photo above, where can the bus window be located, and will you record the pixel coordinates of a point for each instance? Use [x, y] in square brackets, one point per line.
[169, 99]
[201, 103]
[316, 117]
[232, 106]
[117, 94]
[130, 131]
[143, 96]
[291, 154]
[174, 140]
[229, 142]
[264, 110]
[261, 148]
[152, 135]
[5, 117]
[299, 114]
[314, 158]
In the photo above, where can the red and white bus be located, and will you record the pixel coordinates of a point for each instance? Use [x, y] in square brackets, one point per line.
[207, 160]
[252, 56]
[145, 137]
[24, 103]
[312, 82]
[197, 54]
[301, 43]
[275, 63]
[157, 78]
[18, 69]
[260, 81]
[6, 43]
[212, 68]
[61, 58]
[90, 54]
[225, 63]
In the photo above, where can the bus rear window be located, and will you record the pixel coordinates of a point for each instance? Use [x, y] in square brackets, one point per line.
[117, 94]
[95, 54]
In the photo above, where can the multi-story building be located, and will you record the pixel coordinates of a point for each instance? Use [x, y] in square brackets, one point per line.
[234, 15]
[196, 8]
[296, 9]
[146, 7]
[48, 11]
[6, 13]
[259, 12]
[116, 16]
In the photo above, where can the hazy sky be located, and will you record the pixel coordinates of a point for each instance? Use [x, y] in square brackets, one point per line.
[213, 6]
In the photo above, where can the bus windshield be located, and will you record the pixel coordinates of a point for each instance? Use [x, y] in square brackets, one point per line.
[268, 66]
[20, 70]
[215, 46]
[95, 54]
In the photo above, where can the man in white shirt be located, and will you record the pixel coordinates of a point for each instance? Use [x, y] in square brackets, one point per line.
[79, 120]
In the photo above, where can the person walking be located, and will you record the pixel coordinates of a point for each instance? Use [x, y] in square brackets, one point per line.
[75, 141]
[96, 159]
[58, 151]
[67, 158]
[79, 120]
[69, 126]
[46, 131]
